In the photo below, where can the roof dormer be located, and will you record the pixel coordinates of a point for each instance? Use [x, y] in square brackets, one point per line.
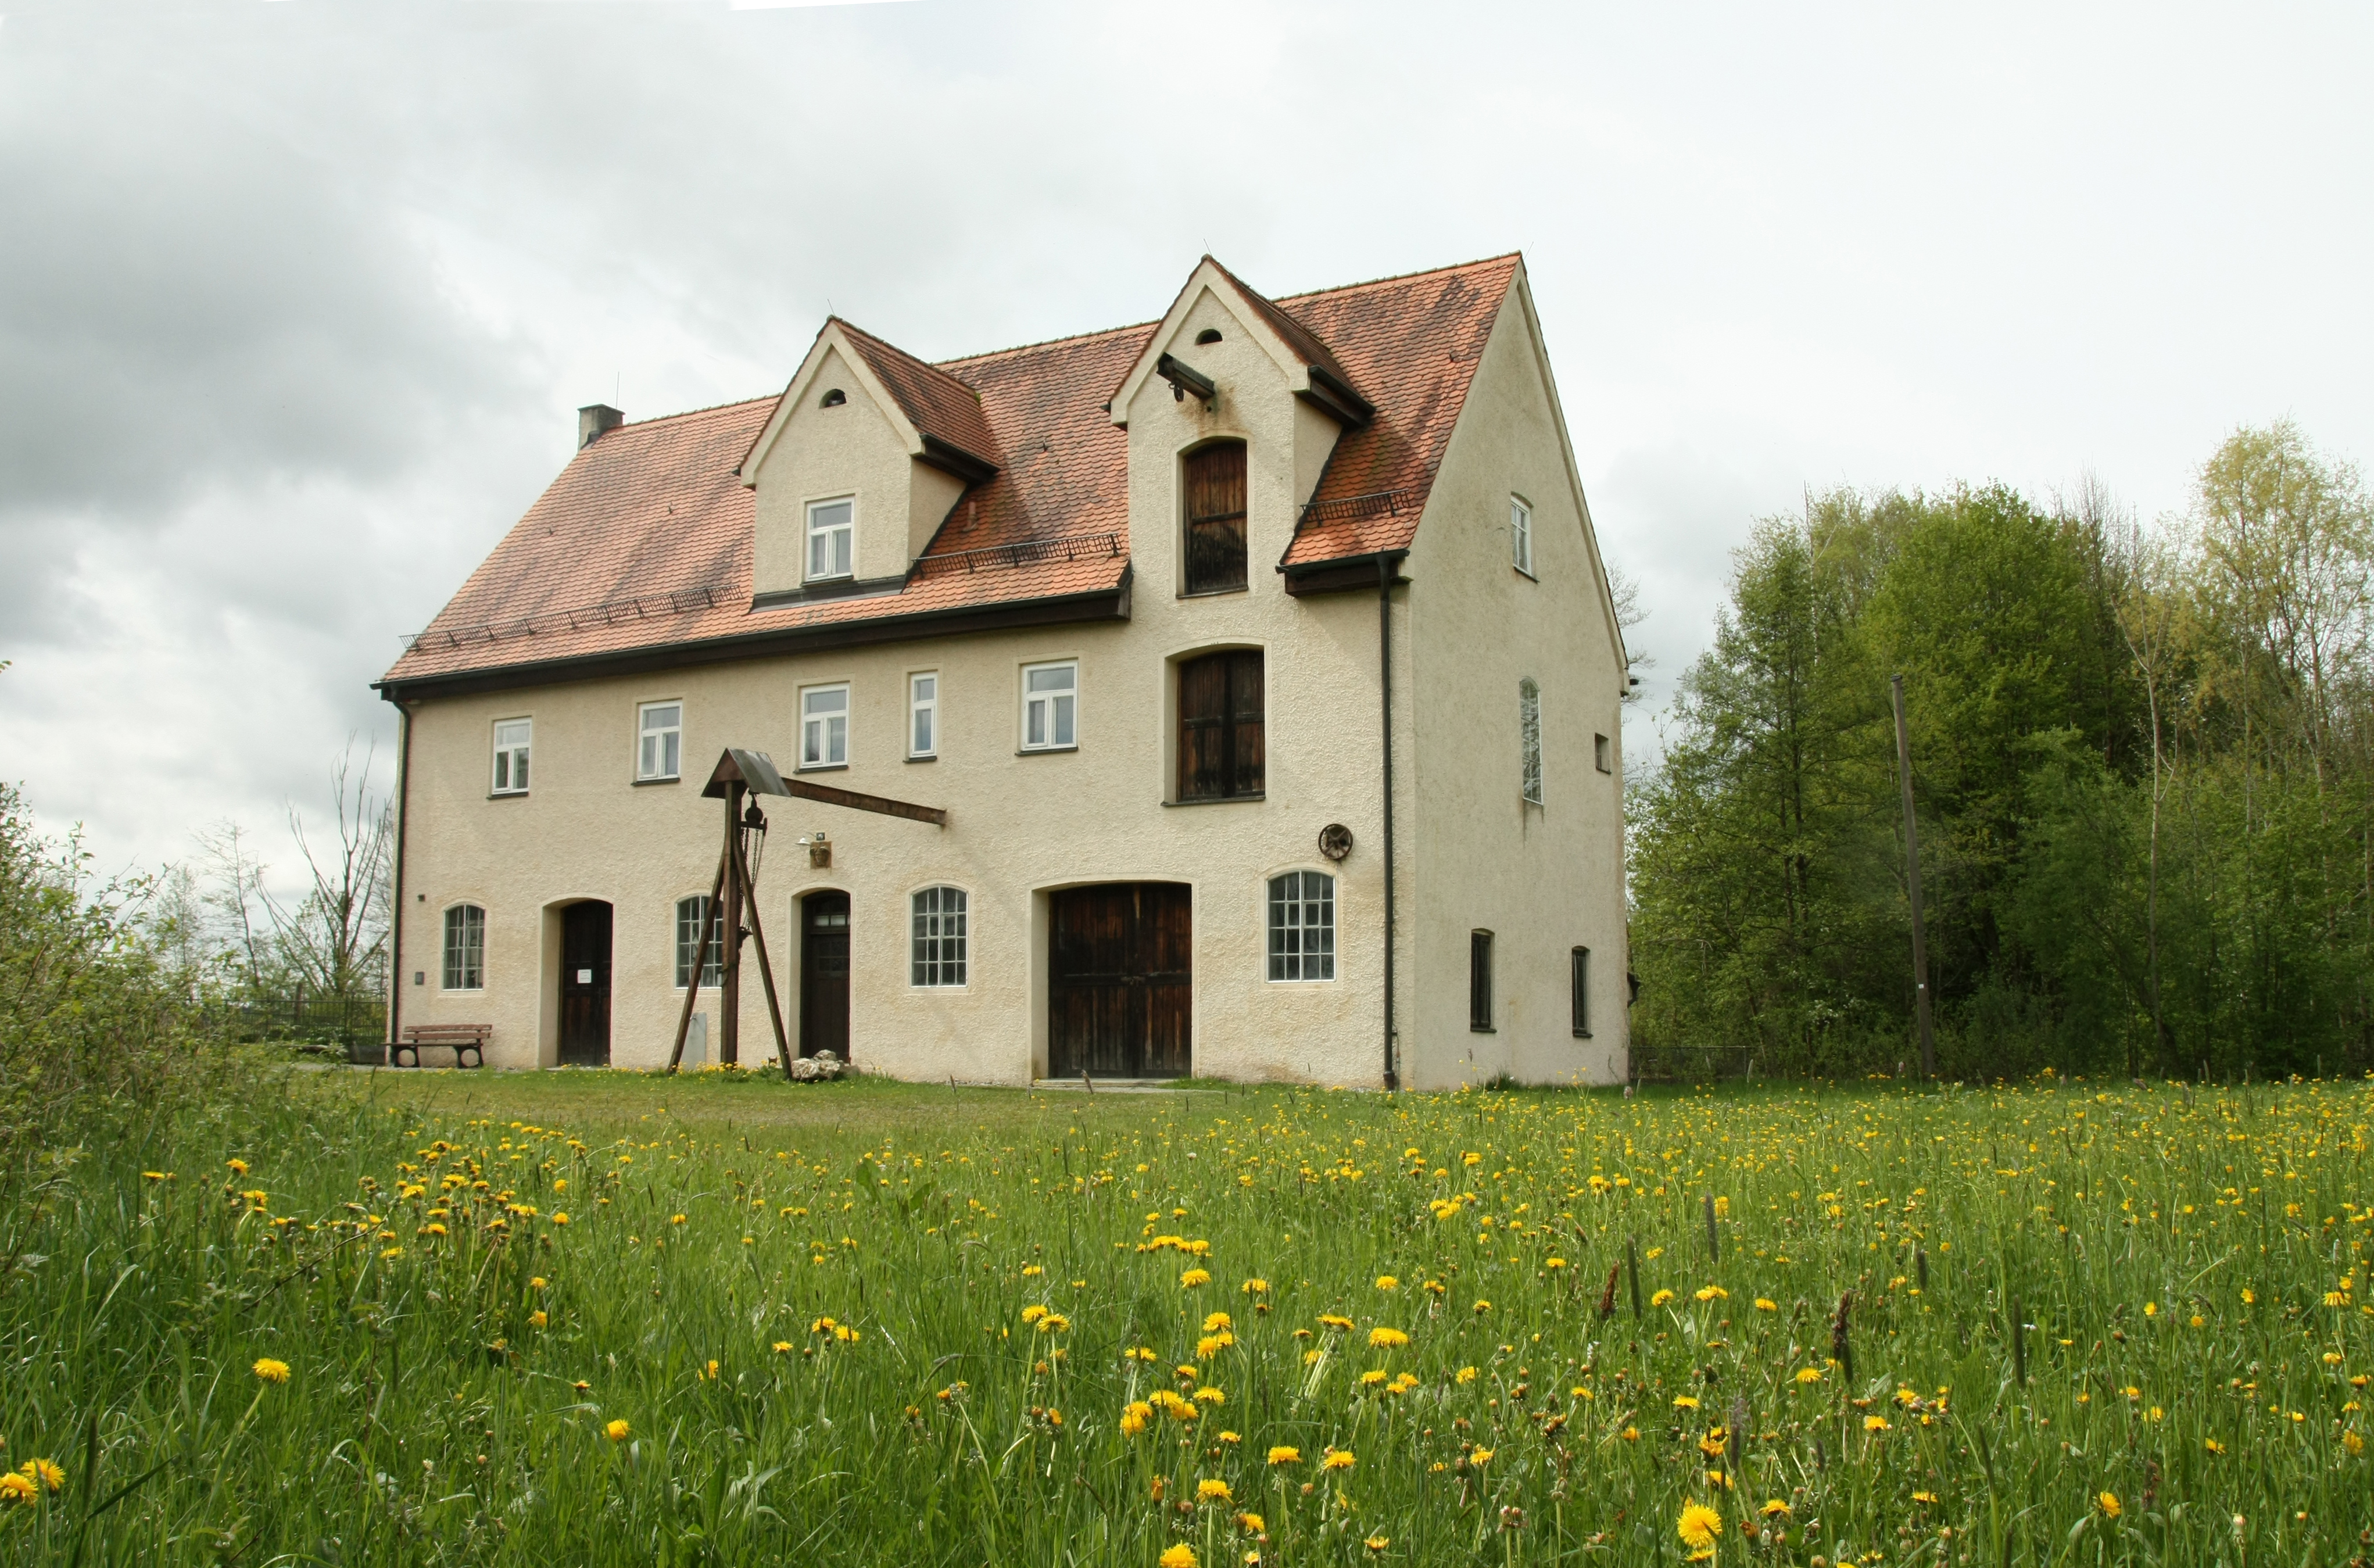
[864, 456]
[1310, 368]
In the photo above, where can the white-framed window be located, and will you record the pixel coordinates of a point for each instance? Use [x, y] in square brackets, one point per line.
[690, 915]
[832, 539]
[1529, 739]
[923, 714]
[659, 740]
[1051, 715]
[511, 737]
[1520, 534]
[1302, 927]
[465, 948]
[938, 954]
[824, 727]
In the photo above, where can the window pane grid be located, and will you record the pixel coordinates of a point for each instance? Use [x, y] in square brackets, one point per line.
[937, 955]
[1049, 707]
[511, 738]
[690, 914]
[824, 727]
[1302, 927]
[660, 752]
[923, 709]
[831, 532]
[465, 948]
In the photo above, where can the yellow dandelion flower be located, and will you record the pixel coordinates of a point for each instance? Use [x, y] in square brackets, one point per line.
[1661, 1298]
[237, 1167]
[1480, 1456]
[1765, 1303]
[2352, 1442]
[1178, 1556]
[1388, 1282]
[538, 1319]
[1699, 1527]
[1378, 1543]
[1193, 1278]
[2111, 1505]
[1775, 1509]
[1468, 1375]
[45, 1473]
[1252, 1523]
[15, 1488]
[1482, 1307]
[1630, 1435]
[271, 1370]
[1874, 1424]
[2212, 1445]
[1210, 1396]
[1215, 1322]
[1809, 1374]
[1924, 1497]
[1383, 1338]
[1685, 1401]
[617, 1431]
[1337, 1459]
[1255, 1287]
[785, 1346]
[1211, 1491]
[1283, 1454]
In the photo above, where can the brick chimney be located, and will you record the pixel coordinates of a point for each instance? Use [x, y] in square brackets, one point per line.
[593, 419]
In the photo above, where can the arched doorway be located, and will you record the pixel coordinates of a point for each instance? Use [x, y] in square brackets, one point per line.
[585, 984]
[824, 974]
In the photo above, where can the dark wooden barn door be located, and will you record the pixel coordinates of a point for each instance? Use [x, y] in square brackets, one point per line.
[1215, 477]
[585, 984]
[1120, 993]
[1221, 734]
[824, 974]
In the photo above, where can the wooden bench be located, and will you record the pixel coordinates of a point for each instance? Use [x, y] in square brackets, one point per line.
[467, 1041]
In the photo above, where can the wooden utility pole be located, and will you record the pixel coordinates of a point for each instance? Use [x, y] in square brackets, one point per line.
[729, 993]
[1912, 884]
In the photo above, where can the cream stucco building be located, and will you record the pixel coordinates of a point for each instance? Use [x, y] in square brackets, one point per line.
[1226, 645]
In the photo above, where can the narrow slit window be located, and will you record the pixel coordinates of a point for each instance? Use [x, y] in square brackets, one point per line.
[511, 737]
[465, 948]
[1222, 732]
[923, 716]
[1302, 927]
[1529, 739]
[691, 915]
[832, 539]
[1579, 963]
[1479, 982]
[660, 741]
[938, 957]
[824, 727]
[1215, 477]
[1051, 718]
[1520, 535]
[1602, 754]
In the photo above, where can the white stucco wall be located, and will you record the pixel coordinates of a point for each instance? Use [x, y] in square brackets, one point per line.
[1543, 879]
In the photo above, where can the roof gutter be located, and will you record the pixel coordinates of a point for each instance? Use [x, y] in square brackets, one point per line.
[1101, 604]
[1388, 562]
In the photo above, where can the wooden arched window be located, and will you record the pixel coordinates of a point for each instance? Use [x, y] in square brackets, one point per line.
[1220, 740]
[1214, 477]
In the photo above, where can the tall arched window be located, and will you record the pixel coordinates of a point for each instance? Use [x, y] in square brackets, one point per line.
[1302, 927]
[465, 948]
[690, 915]
[1529, 737]
[938, 957]
[1214, 478]
[1222, 744]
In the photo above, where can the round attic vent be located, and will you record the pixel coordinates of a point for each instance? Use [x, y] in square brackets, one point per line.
[1209, 334]
[833, 399]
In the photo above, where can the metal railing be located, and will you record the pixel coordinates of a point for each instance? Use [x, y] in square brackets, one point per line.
[1072, 547]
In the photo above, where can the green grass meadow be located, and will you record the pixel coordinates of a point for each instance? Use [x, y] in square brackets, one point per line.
[604, 1318]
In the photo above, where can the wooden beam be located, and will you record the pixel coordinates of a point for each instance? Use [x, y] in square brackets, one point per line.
[855, 801]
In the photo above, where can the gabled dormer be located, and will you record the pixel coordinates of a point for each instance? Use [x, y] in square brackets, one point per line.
[1233, 408]
[865, 454]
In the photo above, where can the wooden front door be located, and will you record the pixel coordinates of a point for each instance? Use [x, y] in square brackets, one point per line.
[585, 984]
[1119, 992]
[824, 974]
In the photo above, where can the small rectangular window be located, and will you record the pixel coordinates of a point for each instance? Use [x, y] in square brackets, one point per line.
[1579, 963]
[660, 740]
[1479, 982]
[511, 737]
[937, 955]
[1602, 754]
[1049, 707]
[1302, 927]
[465, 948]
[691, 915]
[923, 716]
[832, 539]
[1520, 535]
[1222, 730]
[824, 727]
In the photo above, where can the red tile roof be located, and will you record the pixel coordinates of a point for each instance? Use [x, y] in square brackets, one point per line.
[644, 540]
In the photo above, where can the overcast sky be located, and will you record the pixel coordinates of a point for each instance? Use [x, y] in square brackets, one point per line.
[297, 300]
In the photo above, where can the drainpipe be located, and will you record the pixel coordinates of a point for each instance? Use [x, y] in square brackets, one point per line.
[396, 915]
[1386, 563]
